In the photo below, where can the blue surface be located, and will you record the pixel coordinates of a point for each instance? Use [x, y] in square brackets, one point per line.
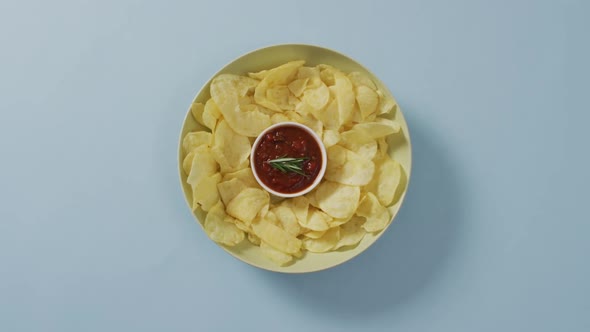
[95, 234]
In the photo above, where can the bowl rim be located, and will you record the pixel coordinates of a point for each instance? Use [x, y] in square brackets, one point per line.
[279, 269]
[323, 153]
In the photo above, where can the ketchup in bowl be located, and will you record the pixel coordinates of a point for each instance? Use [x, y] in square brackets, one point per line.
[288, 159]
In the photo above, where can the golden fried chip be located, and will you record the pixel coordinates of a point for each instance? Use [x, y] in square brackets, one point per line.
[368, 100]
[297, 86]
[386, 104]
[230, 149]
[279, 117]
[337, 200]
[259, 75]
[365, 132]
[195, 139]
[203, 164]
[275, 255]
[351, 233]
[287, 218]
[325, 243]
[344, 96]
[255, 240]
[327, 74]
[205, 192]
[197, 112]
[377, 215]
[187, 162]
[360, 79]
[329, 116]
[316, 97]
[279, 96]
[229, 189]
[220, 230]
[226, 90]
[315, 234]
[281, 75]
[245, 175]
[276, 237]
[383, 147]
[317, 221]
[211, 115]
[330, 137]
[347, 167]
[308, 72]
[246, 205]
[300, 207]
[387, 178]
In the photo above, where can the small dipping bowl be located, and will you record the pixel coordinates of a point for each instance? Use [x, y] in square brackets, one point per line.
[279, 145]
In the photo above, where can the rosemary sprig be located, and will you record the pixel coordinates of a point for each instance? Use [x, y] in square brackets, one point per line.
[288, 164]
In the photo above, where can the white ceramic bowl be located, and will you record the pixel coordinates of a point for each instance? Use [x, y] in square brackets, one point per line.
[320, 175]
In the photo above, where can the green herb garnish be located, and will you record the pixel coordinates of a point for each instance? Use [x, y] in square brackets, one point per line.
[288, 164]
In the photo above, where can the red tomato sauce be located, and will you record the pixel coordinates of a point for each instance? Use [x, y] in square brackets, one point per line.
[287, 141]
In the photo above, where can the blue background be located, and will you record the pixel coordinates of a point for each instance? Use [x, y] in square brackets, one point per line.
[95, 234]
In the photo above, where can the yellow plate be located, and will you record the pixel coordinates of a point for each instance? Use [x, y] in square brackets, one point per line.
[269, 57]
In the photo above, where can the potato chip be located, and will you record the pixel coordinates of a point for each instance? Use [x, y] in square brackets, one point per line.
[229, 189]
[220, 230]
[297, 86]
[279, 96]
[281, 75]
[313, 124]
[337, 200]
[317, 98]
[386, 104]
[365, 132]
[329, 116]
[330, 138]
[377, 215]
[211, 115]
[387, 178]
[225, 91]
[344, 96]
[276, 237]
[315, 234]
[245, 175]
[187, 162]
[239, 224]
[195, 139]
[317, 220]
[275, 255]
[383, 147]
[367, 150]
[246, 205]
[367, 99]
[308, 72]
[255, 240]
[278, 118]
[203, 164]
[288, 220]
[197, 112]
[360, 79]
[205, 192]
[338, 222]
[347, 167]
[325, 243]
[351, 233]
[230, 149]
[327, 74]
[300, 207]
[271, 217]
[259, 75]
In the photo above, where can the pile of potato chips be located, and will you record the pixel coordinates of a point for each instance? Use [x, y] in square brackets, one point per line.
[345, 110]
